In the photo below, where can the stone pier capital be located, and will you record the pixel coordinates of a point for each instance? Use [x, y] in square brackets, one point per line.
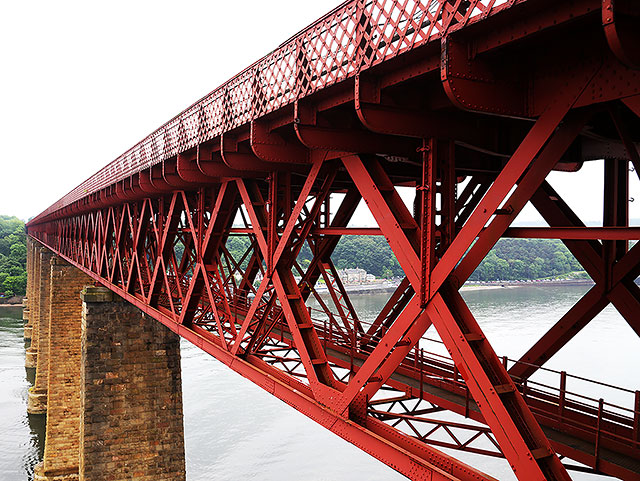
[91, 294]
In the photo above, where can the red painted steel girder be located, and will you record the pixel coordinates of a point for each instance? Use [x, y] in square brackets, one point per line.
[374, 96]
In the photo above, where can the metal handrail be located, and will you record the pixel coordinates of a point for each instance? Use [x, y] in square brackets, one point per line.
[532, 387]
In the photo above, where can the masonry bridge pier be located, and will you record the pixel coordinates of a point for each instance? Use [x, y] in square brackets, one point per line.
[471, 104]
[107, 377]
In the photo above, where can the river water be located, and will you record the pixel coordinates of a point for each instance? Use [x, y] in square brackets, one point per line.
[235, 430]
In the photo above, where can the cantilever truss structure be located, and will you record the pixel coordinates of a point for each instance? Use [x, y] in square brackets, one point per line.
[472, 103]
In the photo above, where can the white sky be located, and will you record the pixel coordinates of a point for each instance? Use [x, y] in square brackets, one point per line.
[81, 83]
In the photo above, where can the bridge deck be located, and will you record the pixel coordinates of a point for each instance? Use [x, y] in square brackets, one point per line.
[624, 465]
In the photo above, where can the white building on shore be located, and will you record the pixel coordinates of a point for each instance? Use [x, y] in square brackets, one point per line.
[355, 276]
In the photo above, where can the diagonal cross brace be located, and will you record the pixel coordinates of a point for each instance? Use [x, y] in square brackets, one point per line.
[405, 251]
[304, 335]
[623, 293]
[282, 243]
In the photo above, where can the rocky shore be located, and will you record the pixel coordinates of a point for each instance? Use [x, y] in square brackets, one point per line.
[11, 301]
[362, 288]
[532, 283]
[469, 286]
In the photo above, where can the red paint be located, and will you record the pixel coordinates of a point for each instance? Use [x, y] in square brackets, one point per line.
[374, 96]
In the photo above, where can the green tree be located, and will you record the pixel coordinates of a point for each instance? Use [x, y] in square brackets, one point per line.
[371, 253]
[13, 256]
[518, 270]
[16, 284]
[18, 253]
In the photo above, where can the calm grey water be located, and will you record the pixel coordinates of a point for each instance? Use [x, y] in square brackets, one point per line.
[234, 430]
[21, 436]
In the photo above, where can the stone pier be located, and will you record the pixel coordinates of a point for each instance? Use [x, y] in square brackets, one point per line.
[37, 400]
[33, 279]
[28, 326]
[131, 426]
[61, 451]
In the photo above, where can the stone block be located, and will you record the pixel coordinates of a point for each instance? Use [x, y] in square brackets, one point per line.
[92, 294]
[36, 401]
[31, 357]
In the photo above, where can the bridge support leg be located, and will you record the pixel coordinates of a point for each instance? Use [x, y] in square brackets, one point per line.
[31, 355]
[61, 451]
[37, 401]
[28, 302]
[131, 422]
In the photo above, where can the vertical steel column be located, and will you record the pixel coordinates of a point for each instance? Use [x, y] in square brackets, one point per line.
[427, 193]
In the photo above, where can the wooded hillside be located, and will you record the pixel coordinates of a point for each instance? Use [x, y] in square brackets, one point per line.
[13, 256]
[523, 259]
[510, 259]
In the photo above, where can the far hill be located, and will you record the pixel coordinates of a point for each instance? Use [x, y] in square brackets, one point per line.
[13, 257]
[510, 259]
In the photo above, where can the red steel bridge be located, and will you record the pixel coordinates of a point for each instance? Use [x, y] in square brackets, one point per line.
[471, 103]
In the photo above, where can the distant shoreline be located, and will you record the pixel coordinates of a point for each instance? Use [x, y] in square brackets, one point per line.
[13, 301]
[362, 289]
[377, 289]
[535, 283]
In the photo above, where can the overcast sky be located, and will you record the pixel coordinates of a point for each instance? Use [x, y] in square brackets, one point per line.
[81, 82]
